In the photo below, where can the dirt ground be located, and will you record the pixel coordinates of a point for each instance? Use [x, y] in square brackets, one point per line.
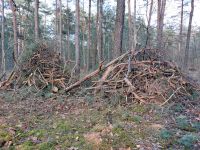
[86, 123]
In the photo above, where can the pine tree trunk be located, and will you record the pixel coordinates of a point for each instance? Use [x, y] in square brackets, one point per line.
[100, 33]
[77, 44]
[89, 38]
[134, 27]
[160, 23]
[36, 18]
[56, 25]
[180, 42]
[3, 63]
[130, 28]
[14, 21]
[60, 29]
[45, 20]
[186, 58]
[83, 38]
[94, 52]
[119, 23]
[148, 43]
[68, 34]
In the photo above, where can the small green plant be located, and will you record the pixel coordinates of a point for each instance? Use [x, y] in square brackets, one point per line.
[122, 138]
[37, 133]
[165, 134]
[28, 145]
[4, 135]
[196, 125]
[126, 116]
[195, 95]
[63, 127]
[47, 145]
[141, 109]
[188, 140]
[137, 119]
[178, 108]
[182, 122]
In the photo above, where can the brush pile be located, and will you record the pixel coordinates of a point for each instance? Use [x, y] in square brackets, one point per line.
[141, 76]
[44, 67]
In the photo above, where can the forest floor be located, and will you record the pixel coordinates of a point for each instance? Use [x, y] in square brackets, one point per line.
[74, 123]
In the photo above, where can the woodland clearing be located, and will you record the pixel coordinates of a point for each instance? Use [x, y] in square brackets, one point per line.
[136, 101]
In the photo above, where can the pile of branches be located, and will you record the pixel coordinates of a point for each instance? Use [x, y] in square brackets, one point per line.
[136, 75]
[143, 76]
[44, 67]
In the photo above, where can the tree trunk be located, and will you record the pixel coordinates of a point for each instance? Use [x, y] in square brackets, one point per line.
[14, 20]
[94, 52]
[20, 40]
[56, 25]
[119, 23]
[188, 36]
[130, 27]
[45, 20]
[3, 63]
[134, 27]
[68, 34]
[160, 23]
[180, 42]
[100, 33]
[89, 37]
[60, 29]
[83, 38]
[148, 44]
[181, 24]
[36, 18]
[77, 44]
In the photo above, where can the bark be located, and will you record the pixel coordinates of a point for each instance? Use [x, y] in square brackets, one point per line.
[77, 44]
[56, 24]
[180, 42]
[129, 26]
[68, 34]
[100, 33]
[94, 56]
[14, 21]
[83, 37]
[3, 63]
[36, 18]
[160, 23]
[60, 29]
[148, 44]
[181, 24]
[188, 35]
[119, 23]
[45, 20]
[89, 37]
[134, 27]
[20, 39]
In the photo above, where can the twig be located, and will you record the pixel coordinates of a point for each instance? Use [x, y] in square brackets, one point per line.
[171, 96]
[133, 88]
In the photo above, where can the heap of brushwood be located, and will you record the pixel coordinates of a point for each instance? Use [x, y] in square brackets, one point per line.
[44, 67]
[136, 75]
[141, 76]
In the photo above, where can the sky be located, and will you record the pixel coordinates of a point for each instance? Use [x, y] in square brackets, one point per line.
[172, 9]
